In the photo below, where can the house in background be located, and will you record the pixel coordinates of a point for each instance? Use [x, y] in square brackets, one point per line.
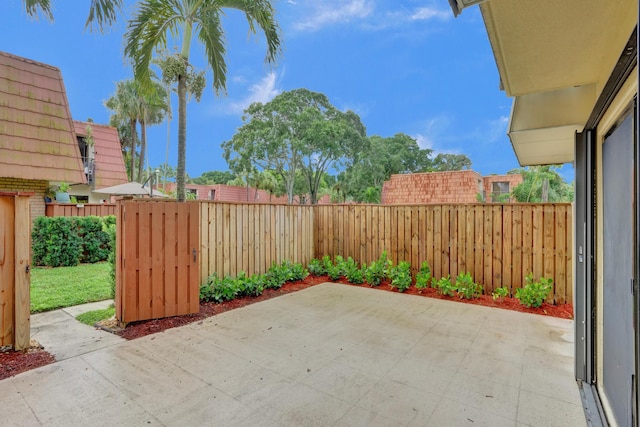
[103, 164]
[235, 194]
[571, 67]
[465, 186]
[39, 143]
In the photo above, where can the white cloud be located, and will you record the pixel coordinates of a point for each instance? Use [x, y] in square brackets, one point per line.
[263, 91]
[428, 13]
[435, 131]
[330, 12]
[497, 128]
[423, 141]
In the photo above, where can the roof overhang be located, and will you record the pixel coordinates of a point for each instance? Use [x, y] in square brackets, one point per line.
[543, 125]
[554, 57]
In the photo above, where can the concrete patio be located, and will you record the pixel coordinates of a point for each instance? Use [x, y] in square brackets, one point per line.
[328, 355]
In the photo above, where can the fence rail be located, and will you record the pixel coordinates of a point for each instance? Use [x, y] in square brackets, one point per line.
[498, 244]
[87, 209]
[250, 237]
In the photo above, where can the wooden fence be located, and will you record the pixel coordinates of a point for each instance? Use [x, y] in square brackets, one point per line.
[498, 244]
[94, 209]
[15, 247]
[250, 237]
[157, 259]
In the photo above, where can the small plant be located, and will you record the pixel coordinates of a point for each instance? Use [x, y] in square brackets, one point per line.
[219, 290]
[326, 263]
[316, 267]
[500, 293]
[466, 287]
[444, 286]
[63, 187]
[424, 276]
[334, 272]
[534, 293]
[378, 270]
[279, 274]
[400, 276]
[354, 274]
[340, 263]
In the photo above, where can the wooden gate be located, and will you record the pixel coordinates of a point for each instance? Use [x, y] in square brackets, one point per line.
[157, 259]
[15, 244]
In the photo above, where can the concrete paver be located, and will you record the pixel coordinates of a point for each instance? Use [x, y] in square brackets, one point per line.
[327, 355]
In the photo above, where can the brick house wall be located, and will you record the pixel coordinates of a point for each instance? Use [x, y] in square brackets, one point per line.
[38, 187]
[432, 187]
[512, 180]
[442, 187]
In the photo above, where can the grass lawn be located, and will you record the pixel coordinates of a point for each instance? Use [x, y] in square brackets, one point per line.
[91, 317]
[59, 287]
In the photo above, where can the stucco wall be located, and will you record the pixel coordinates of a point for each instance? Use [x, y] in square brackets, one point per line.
[512, 179]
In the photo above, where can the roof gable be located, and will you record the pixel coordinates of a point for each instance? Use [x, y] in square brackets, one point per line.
[110, 169]
[36, 134]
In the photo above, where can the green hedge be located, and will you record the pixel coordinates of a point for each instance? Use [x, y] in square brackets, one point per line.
[67, 241]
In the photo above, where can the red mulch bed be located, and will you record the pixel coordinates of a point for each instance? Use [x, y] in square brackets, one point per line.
[146, 327]
[12, 362]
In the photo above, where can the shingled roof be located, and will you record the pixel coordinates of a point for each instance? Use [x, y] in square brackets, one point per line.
[36, 131]
[110, 169]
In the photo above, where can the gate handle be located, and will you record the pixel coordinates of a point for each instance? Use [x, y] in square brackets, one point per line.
[194, 255]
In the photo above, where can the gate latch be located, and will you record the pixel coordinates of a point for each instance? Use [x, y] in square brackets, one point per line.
[26, 270]
[194, 255]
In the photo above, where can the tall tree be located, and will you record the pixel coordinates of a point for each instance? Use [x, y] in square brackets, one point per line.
[297, 131]
[155, 20]
[450, 162]
[542, 184]
[101, 12]
[153, 108]
[125, 104]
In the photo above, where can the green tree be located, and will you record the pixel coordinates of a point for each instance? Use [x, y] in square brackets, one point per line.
[125, 105]
[450, 162]
[542, 184]
[213, 177]
[153, 108]
[102, 12]
[155, 20]
[297, 131]
[385, 157]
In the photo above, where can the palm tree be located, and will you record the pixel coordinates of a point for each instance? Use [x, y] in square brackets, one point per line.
[155, 20]
[153, 107]
[125, 104]
[103, 12]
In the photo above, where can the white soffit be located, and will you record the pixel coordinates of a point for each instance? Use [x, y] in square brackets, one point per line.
[543, 125]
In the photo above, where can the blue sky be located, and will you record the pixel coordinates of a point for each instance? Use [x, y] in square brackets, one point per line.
[403, 66]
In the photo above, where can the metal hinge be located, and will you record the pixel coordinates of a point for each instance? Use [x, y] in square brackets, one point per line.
[633, 286]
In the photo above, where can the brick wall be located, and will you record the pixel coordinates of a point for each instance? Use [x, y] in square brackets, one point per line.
[432, 187]
[512, 179]
[37, 187]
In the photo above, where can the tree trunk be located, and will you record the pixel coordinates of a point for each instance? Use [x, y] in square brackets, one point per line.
[134, 134]
[182, 137]
[143, 147]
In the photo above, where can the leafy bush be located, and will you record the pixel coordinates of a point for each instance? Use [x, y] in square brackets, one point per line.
[467, 288]
[326, 262]
[340, 263]
[534, 293]
[353, 273]
[378, 270]
[316, 267]
[400, 276]
[334, 272]
[278, 275]
[56, 242]
[423, 278]
[500, 292]
[62, 241]
[110, 229]
[255, 285]
[444, 286]
[219, 290]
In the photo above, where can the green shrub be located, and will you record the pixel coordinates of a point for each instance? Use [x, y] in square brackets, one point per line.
[316, 267]
[378, 270]
[423, 278]
[353, 273]
[110, 229]
[467, 288]
[63, 241]
[340, 263]
[56, 242]
[534, 293]
[278, 275]
[400, 276]
[334, 272]
[500, 292]
[444, 286]
[219, 290]
[326, 263]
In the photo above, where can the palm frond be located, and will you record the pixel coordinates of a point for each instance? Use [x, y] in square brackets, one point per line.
[211, 34]
[35, 7]
[103, 13]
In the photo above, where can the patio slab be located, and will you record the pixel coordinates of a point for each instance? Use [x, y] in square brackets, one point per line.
[328, 355]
